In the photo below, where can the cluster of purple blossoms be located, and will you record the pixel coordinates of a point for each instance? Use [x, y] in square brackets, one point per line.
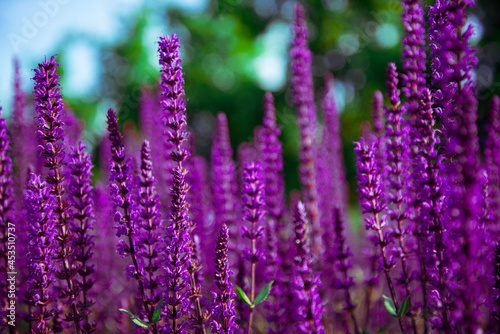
[429, 196]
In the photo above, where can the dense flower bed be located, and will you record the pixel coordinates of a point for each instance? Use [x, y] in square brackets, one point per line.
[166, 242]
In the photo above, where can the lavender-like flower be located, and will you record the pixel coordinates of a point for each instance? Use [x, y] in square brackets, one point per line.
[430, 230]
[397, 176]
[223, 311]
[150, 221]
[464, 206]
[224, 187]
[42, 249]
[178, 241]
[377, 112]
[492, 162]
[253, 213]
[414, 57]
[24, 139]
[452, 60]
[306, 300]
[49, 106]
[370, 189]
[122, 191]
[303, 99]
[330, 167]
[343, 265]
[270, 151]
[81, 211]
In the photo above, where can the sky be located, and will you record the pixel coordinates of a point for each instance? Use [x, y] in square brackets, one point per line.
[33, 29]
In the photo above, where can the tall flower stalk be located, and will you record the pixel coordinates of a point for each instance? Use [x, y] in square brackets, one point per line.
[81, 208]
[179, 279]
[223, 312]
[41, 204]
[306, 300]
[149, 221]
[343, 264]
[253, 213]
[272, 167]
[122, 190]
[49, 106]
[303, 99]
[397, 169]
[370, 189]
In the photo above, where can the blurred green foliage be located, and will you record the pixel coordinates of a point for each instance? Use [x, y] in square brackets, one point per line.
[221, 44]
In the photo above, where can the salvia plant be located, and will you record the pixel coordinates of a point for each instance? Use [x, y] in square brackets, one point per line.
[168, 242]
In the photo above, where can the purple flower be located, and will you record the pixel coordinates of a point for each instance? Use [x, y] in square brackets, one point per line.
[430, 228]
[464, 208]
[126, 213]
[223, 311]
[303, 100]
[224, 187]
[253, 209]
[25, 154]
[178, 241]
[397, 176]
[343, 265]
[42, 250]
[81, 211]
[330, 162]
[306, 300]
[49, 106]
[377, 108]
[414, 57]
[371, 192]
[492, 162]
[149, 238]
[452, 60]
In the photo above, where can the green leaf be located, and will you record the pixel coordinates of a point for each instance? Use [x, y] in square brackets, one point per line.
[156, 314]
[243, 296]
[136, 320]
[263, 294]
[405, 306]
[389, 306]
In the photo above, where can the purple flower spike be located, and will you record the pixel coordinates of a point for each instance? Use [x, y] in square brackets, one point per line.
[123, 191]
[49, 106]
[492, 162]
[452, 59]
[25, 153]
[41, 204]
[223, 311]
[343, 265]
[178, 240]
[7, 225]
[464, 209]
[414, 57]
[253, 210]
[397, 177]
[82, 221]
[149, 221]
[253, 213]
[429, 183]
[303, 99]
[270, 151]
[370, 189]
[306, 300]
[224, 187]
[377, 109]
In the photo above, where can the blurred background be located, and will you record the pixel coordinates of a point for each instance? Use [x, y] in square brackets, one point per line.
[232, 51]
